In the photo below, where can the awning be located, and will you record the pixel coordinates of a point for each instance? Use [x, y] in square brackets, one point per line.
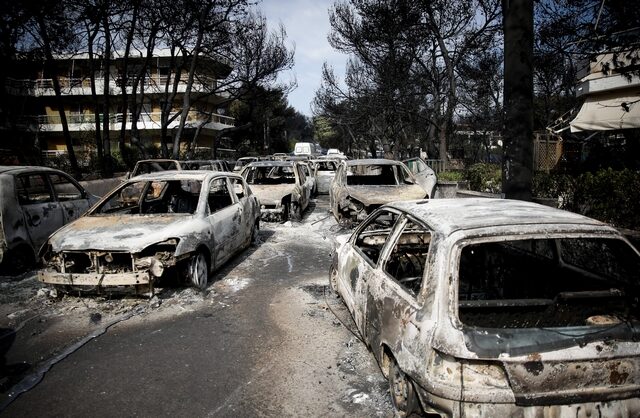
[609, 111]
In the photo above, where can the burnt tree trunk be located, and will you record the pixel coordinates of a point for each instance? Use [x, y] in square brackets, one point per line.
[517, 162]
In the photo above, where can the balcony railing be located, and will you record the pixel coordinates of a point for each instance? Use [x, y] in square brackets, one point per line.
[82, 86]
[145, 121]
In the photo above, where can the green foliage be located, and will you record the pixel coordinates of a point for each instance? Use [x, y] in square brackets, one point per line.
[452, 175]
[484, 177]
[612, 196]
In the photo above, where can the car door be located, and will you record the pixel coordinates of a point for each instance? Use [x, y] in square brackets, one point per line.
[225, 219]
[403, 267]
[360, 261]
[73, 200]
[41, 212]
[247, 205]
[303, 184]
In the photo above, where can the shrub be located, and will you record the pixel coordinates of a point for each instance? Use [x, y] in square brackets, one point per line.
[451, 175]
[484, 177]
[612, 196]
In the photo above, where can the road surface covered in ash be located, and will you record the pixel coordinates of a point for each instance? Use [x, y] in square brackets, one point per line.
[262, 341]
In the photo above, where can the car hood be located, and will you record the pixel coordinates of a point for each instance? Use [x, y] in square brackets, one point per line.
[379, 195]
[270, 194]
[118, 233]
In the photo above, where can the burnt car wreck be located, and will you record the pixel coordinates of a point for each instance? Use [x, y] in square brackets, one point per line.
[361, 186]
[189, 223]
[496, 308]
[282, 189]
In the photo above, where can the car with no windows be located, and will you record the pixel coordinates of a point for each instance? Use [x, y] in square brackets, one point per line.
[361, 186]
[496, 308]
[284, 191]
[35, 202]
[190, 222]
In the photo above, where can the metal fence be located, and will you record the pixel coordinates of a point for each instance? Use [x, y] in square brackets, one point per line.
[547, 151]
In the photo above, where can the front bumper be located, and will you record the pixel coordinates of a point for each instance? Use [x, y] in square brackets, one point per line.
[95, 279]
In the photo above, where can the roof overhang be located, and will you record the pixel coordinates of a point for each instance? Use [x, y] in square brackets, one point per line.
[609, 111]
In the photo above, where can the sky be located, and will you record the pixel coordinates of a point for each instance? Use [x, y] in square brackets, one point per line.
[307, 26]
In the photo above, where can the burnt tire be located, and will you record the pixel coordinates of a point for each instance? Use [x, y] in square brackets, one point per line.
[403, 396]
[254, 233]
[198, 271]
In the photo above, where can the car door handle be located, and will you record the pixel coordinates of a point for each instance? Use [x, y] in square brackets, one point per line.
[34, 220]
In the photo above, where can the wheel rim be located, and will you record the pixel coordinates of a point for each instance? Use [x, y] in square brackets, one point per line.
[333, 279]
[199, 271]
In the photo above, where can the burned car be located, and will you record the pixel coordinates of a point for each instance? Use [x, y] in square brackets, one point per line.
[190, 222]
[325, 171]
[496, 308]
[282, 188]
[361, 186]
[35, 202]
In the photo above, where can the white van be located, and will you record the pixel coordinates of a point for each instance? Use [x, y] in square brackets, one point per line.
[304, 148]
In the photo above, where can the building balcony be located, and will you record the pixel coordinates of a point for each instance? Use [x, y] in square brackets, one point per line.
[147, 121]
[82, 86]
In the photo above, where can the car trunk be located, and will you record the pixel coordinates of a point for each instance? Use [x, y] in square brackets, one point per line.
[567, 380]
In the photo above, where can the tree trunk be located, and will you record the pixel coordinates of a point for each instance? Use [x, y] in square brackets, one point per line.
[94, 97]
[517, 163]
[108, 168]
[50, 63]
[124, 78]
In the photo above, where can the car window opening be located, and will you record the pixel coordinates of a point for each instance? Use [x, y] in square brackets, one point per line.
[271, 175]
[154, 197]
[372, 238]
[369, 175]
[408, 258]
[548, 283]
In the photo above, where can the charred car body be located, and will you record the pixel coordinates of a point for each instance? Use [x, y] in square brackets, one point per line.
[282, 188]
[35, 202]
[192, 221]
[361, 186]
[496, 308]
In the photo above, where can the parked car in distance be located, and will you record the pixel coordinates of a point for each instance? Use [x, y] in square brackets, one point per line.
[241, 162]
[212, 165]
[335, 154]
[425, 176]
[325, 170]
[35, 202]
[191, 222]
[282, 188]
[361, 186]
[495, 308]
[153, 166]
[280, 156]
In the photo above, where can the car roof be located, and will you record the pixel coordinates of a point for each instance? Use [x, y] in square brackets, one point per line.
[158, 160]
[372, 161]
[20, 169]
[182, 175]
[450, 215]
[271, 164]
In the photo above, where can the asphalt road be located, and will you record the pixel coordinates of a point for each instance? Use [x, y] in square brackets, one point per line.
[263, 341]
